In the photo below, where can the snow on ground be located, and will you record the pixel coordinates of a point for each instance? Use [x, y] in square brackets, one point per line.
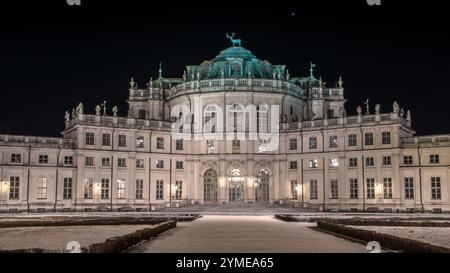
[439, 236]
[56, 238]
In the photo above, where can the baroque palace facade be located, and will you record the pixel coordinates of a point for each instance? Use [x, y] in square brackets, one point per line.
[322, 159]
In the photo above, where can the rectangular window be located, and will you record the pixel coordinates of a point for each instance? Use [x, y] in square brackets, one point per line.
[386, 160]
[42, 188]
[139, 163]
[385, 137]
[122, 142]
[106, 139]
[313, 143]
[120, 188]
[89, 161]
[407, 160]
[334, 189]
[333, 142]
[178, 189]
[141, 114]
[159, 189]
[179, 165]
[68, 160]
[140, 142]
[293, 144]
[313, 189]
[368, 139]
[352, 140]
[89, 139]
[330, 113]
[43, 159]
[354, 188]
[435, 188]
[159, 164]
[67, 188]
[106, 162]
[16, 158]
[104, 188]
[294, 189]
[293, 165]
[236, 146]
[409, 188]
[313, 163]
[14, 183]
[139, 188]
[370, 162]
[387, 187]
[159, 143]
[179, 145]
[121, 162]
[353, 162]
[370, 187]
[88, 188]
[434, 159]
[334, 162]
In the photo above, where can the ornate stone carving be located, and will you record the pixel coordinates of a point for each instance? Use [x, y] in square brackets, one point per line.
[80, 109]
[67, 116]
[395, 107]
[359, 110]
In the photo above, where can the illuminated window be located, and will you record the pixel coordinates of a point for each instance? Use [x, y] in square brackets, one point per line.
[334, 162]
[139, 163]
[313, 189]
[88, 188]
[313, 163]
[140, 142]
[159, 164]
[42, 188]
[294, 189]
[120, 188]
[178, 189]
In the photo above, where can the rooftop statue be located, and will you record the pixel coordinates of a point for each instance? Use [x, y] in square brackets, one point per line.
[377, 109]
[67, 116]
[97, 110]
[236, 42]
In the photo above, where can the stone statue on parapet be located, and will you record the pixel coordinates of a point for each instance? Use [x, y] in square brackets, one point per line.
[67, 116]
[80, 109]
[235, 42]
[115, 109]
[395, 107]
[359, 110]
[377, 109]
[97, 110]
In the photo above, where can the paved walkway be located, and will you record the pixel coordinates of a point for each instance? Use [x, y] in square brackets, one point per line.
[239, 233]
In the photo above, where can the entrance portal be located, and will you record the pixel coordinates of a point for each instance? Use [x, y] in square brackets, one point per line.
[236, 191]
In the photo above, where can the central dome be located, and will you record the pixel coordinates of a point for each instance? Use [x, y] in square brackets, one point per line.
[235, 62]
[235, 52]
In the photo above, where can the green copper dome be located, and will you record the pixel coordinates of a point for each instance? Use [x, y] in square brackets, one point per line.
[235, 62]
[234, 52]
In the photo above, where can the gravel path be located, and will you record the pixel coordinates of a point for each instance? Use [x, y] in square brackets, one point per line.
[238, 233]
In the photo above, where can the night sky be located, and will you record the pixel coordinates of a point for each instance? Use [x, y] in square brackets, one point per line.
[52, 55]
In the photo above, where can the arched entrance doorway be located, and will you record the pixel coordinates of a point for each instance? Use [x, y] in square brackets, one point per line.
[210, 186]
[262, 186]
[236, 186]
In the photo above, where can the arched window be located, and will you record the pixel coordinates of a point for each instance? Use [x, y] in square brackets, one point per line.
[210, 186]
[236, 191]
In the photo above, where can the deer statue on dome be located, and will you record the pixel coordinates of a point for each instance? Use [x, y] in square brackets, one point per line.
[236, 42]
